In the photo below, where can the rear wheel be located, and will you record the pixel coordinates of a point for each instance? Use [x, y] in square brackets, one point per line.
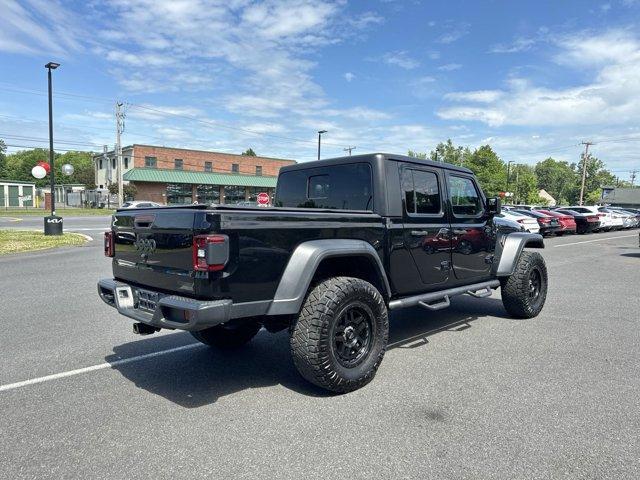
[228, 337]
[341, 334]
[525, 291]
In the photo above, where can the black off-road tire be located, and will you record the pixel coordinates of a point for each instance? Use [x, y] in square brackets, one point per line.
[341, 334]
[525, 291]
[228, 337]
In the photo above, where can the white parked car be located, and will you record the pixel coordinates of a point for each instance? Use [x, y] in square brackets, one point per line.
[530, 224]
[606, 220]
[140, 204]
[629, 219]
[616, 218]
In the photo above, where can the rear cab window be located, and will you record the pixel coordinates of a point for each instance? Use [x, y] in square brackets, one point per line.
[466, 200]
[421, 192]
[342, 187]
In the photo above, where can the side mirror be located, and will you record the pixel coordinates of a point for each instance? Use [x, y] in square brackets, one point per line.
[494, 207]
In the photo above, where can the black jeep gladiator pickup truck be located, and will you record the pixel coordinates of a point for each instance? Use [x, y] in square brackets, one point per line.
[349, 239]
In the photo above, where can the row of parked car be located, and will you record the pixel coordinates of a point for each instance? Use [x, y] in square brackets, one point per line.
[573, 219]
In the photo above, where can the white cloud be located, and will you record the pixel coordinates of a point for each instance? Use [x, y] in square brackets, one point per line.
[38, 26]
[518, 45]
[148, 111]
[349, 76]
[367, 19]
[481, 96]
[455, 31]
[522, 43]
[610, 97]
[400, 59]
[449, 67]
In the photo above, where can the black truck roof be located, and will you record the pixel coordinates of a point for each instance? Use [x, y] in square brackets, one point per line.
[373, 158]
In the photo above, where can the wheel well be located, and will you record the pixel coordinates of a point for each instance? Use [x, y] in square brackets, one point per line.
[362, 267]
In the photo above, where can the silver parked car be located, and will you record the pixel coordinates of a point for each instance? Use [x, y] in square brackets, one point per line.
[140, 204]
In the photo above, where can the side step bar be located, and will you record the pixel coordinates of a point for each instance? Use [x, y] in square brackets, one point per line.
[441, 298]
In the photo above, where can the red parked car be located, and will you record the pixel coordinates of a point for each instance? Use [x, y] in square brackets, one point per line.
[567, 222]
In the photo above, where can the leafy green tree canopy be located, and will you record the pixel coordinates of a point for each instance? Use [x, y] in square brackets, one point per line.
[249, 153]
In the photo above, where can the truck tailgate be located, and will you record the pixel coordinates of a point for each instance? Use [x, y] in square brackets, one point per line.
[153, 247]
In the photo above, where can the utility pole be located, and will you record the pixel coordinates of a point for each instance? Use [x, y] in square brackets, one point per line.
[119, 130]
[348, 149]
[633, 177]
[585, 159]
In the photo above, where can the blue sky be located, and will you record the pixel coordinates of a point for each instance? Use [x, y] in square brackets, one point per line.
[532, 79]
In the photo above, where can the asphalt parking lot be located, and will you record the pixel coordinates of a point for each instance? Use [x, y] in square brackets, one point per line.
[462, 393]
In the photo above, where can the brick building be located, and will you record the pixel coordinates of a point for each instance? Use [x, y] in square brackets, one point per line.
[178, 176]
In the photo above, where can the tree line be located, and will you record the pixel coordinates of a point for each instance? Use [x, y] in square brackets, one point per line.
[17, 166]
[561, 179]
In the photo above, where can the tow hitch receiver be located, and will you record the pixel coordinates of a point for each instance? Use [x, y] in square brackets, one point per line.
[144, 329]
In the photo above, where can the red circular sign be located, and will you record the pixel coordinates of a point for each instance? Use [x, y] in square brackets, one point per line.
[263, 198]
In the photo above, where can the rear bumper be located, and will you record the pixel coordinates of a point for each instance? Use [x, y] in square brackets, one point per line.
[163, 311]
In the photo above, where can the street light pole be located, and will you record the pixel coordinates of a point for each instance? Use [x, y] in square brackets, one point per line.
[53, 224]
[320, 132]
[508, 175]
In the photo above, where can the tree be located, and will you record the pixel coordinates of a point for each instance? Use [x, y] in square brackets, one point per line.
[19, 164]
[83, 168]
[489, 169]
[249, 153]
[525, 184]
[421, 156]
[128, 190]
[596, 177]
[559, 179]
[449, 153]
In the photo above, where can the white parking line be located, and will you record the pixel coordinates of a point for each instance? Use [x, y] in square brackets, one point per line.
[100, 366]
[596, 240]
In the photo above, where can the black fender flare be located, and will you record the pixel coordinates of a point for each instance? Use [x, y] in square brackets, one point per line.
[303, 264]
[508, 250]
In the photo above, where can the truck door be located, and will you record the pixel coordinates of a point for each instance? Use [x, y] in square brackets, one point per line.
[426, 226]
[472, 235]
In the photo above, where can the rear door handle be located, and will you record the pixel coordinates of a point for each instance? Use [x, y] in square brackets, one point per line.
[419, 233]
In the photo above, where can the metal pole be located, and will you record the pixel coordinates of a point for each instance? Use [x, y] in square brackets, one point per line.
[53, 192]
[320, 132]
[584, 169]
[118, 152]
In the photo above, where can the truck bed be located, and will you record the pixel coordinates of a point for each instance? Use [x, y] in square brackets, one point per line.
[154, 247]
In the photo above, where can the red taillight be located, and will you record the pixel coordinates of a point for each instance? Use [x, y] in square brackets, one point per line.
[210, 252]
[109, 244]
[602, 214]
[593, 219]
[544, 220]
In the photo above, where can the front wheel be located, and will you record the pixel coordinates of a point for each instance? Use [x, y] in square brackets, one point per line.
[525, 290]
[341, 334]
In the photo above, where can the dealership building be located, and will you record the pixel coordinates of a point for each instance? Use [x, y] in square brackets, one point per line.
[175, 176]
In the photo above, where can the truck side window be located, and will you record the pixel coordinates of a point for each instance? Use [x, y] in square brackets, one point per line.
[465, 200]
[421, 192]
[346, 187]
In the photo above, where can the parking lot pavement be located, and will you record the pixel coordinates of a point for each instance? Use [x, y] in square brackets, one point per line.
[462, 393]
